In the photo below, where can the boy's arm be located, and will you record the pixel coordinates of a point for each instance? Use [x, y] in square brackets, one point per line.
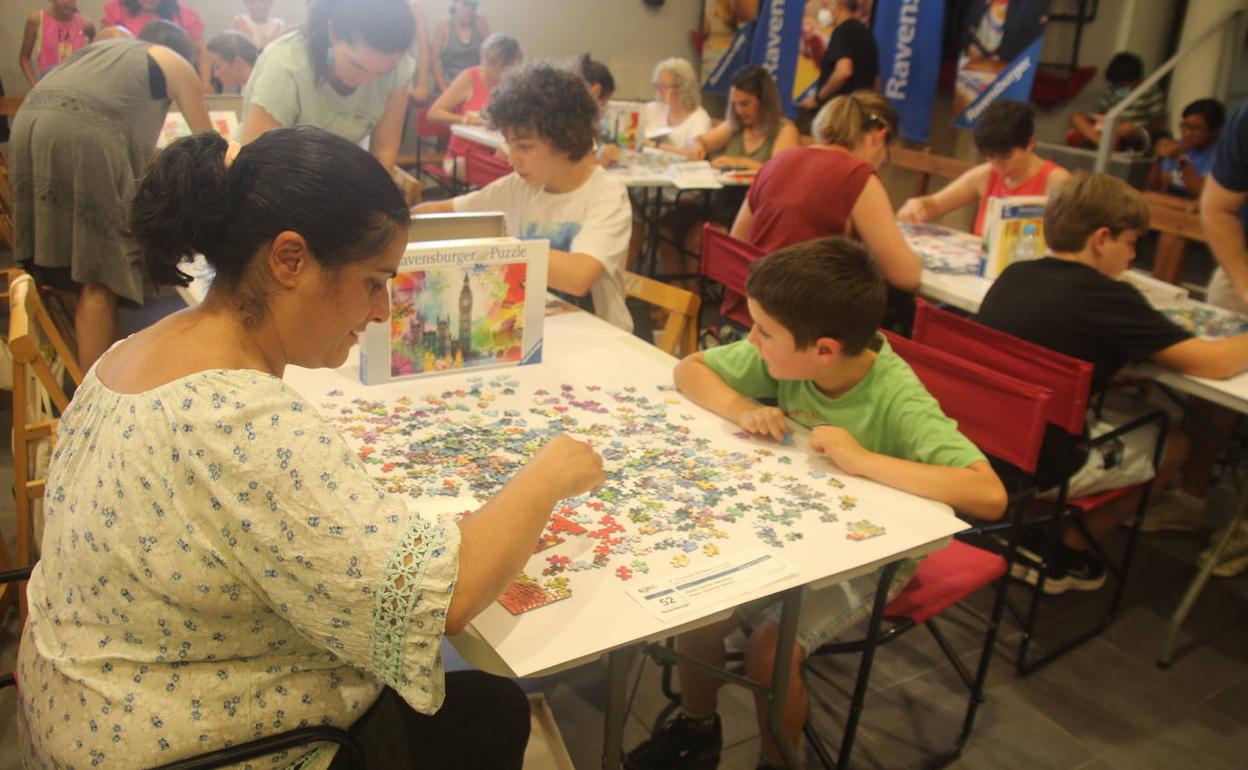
[1057, 178]
[962, 191]
[435, 207]
[704, 387]
[572, 272]
[28, 46]
[1085, 125]
[1215, 359]
[974, 490]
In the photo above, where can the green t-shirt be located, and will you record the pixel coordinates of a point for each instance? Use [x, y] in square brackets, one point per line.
[285, 86]
[888, 411]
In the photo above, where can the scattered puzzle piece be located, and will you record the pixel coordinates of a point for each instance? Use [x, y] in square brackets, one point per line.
[862, 530]
[526, 594]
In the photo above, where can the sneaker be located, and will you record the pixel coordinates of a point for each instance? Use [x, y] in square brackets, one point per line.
[1176, 511]
[1071, 571]
[682, 744]
[1075, 571]
[1236, 549]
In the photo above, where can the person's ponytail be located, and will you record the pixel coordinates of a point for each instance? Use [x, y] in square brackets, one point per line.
[182, 206]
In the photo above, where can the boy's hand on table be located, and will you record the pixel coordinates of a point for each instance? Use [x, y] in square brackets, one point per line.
[766, 421]
[839, 446]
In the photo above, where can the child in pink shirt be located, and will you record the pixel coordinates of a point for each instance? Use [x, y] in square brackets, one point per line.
[51, 36]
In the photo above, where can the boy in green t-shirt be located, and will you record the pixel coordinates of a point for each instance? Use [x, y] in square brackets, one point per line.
[816, 349]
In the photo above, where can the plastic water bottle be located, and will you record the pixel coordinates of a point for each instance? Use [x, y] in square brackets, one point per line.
[1028, 245]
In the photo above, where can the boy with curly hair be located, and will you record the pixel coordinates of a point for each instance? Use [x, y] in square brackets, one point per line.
[557, 191]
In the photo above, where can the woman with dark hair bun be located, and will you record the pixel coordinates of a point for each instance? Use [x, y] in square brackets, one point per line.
[79, 141]
[346, 71]
[217, 563]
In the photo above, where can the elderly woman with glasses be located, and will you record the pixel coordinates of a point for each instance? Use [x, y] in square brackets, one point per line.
[675, 119]
[831, 188]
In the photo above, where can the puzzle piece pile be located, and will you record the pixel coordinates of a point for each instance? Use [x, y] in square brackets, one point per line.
[945, 251]
[669, 499]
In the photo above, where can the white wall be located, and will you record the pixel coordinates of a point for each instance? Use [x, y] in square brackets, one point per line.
[626, 34]
[1140, 26]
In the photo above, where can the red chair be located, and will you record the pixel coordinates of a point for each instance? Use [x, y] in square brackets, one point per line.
[1005, 417]
[1070, 380]
[727, 261]
[482, 166]
[429, 134]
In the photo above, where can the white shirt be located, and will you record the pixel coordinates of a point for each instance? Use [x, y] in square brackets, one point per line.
[655, 115]
[594, 219]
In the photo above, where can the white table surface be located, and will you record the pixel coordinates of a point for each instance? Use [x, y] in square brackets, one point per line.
[583, 350]
[479, 134]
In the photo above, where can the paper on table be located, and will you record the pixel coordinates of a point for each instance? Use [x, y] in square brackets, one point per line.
[658, 132]
[693, 175]
[677, 594]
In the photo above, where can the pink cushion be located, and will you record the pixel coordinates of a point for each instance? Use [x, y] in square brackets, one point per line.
[944, 578]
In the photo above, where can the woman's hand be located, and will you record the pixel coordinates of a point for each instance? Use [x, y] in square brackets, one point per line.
[570, 467]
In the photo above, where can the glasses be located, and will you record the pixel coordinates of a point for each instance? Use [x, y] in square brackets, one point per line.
[664, 86]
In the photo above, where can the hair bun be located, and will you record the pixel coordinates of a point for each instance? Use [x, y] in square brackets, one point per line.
[182, 206]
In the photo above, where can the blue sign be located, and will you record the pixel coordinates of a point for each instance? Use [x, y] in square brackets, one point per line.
[774, 41]
[1013, 84]
[908, 35]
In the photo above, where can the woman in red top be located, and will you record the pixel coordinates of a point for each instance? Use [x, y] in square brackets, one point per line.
[831, 188]
[1006, 135]
[469, 92]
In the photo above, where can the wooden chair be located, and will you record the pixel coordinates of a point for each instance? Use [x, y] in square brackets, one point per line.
[409, 185]
[680, 333]
[9, 106]
[31, 334]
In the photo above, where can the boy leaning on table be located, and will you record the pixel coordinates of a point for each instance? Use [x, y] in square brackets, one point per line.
[558, 191]
[815, 347]
[1006, 136]
[1071, 302]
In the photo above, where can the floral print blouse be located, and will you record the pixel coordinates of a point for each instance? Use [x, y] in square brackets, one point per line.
[218, 566]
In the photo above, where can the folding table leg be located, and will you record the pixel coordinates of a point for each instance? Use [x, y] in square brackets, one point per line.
[619, 662]
[791, 610]
[1198, 583]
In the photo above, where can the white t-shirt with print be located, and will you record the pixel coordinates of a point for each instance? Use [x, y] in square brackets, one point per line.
[594, 219]
[655, 114]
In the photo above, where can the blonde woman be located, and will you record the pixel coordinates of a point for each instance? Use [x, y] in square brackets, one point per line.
[675, 119]
[831, 188]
